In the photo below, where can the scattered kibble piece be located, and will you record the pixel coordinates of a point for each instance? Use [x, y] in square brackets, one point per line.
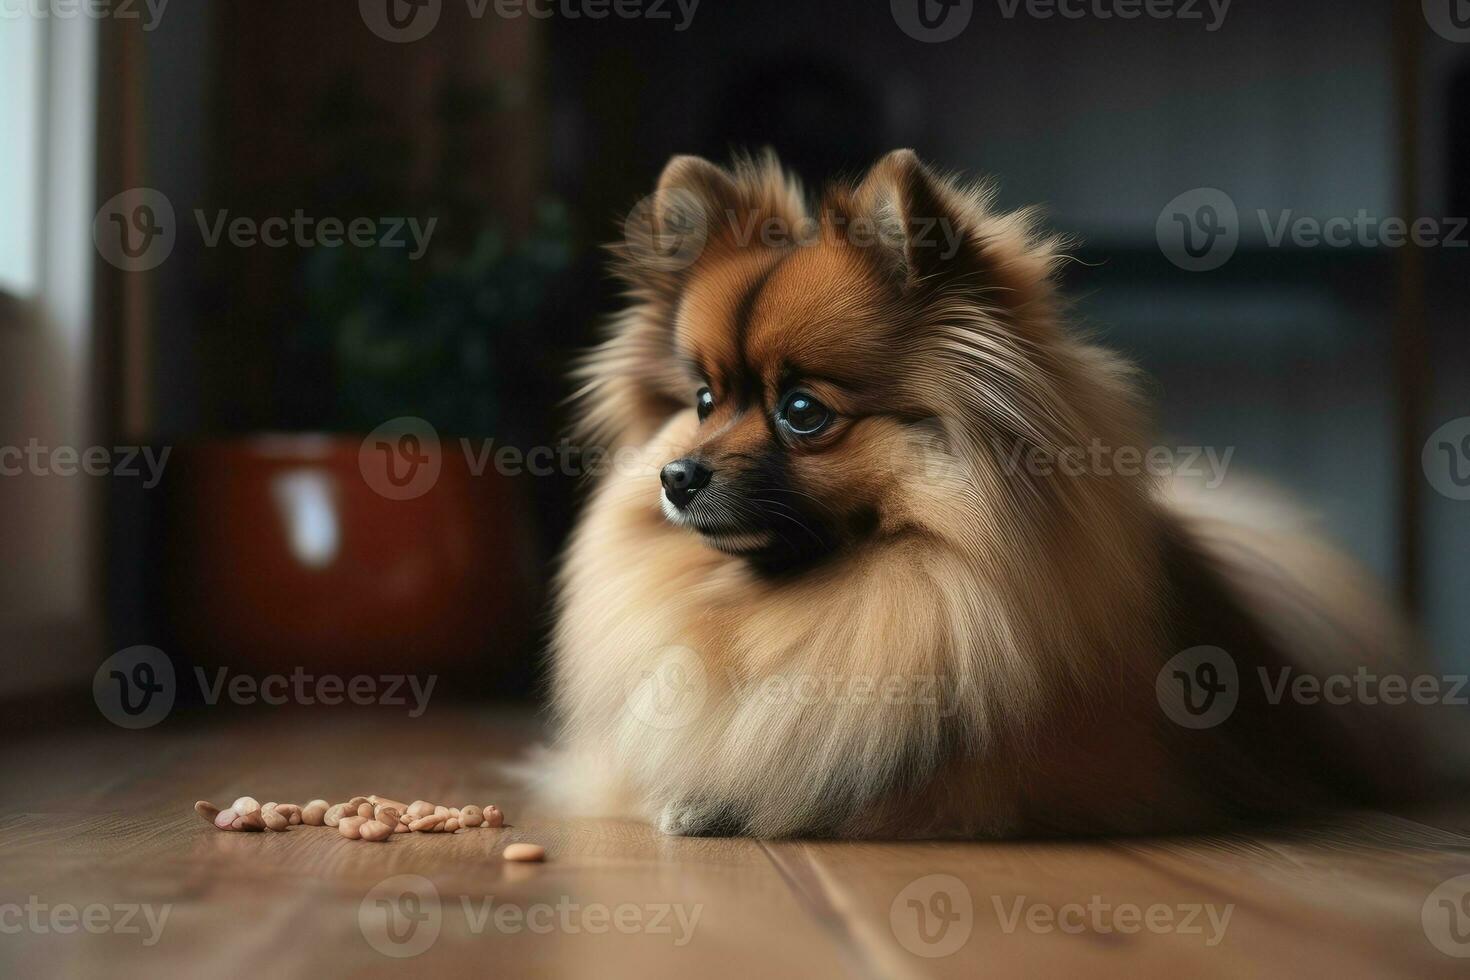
[522, 851]
[351, 827]
[375, 830]
[251, 821]
[372, 818]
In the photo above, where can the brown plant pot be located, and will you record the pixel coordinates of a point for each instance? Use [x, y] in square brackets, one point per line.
[282, 552]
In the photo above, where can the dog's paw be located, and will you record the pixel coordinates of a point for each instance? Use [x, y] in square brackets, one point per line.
[694, 818]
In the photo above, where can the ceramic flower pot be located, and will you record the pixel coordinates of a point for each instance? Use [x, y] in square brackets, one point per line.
[313, 551]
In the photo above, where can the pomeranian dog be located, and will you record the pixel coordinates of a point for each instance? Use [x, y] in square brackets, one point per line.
[868, 560]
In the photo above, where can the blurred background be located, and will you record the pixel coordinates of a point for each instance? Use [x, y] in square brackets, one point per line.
[247, 248]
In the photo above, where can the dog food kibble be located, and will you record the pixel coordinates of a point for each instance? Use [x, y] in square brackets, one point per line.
[375, 830]
[230, 820]
[351, 827]
[369, 818]
[521, 851]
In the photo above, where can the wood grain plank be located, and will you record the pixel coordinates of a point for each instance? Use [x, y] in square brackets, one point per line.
[112, 825]
[1346, 902]
[103, 818]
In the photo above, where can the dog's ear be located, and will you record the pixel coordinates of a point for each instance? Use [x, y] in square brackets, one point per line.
[631, 382]
[937, 235]
[699, 211]
[669, 231]
[692, 193]
[917, 227]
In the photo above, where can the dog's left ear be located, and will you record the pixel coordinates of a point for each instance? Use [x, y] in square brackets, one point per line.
[701, 212]
[919, 230]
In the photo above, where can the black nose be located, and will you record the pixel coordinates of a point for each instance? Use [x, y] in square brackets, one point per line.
[682, 479]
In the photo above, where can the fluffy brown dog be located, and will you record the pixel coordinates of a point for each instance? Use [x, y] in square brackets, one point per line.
[857, 570]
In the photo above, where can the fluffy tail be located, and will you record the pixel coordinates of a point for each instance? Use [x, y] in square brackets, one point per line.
[1329, 626]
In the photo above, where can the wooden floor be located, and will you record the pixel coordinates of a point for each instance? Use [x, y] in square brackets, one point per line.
[98, 822]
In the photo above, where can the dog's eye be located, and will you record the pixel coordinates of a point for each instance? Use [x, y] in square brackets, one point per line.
[704, 403]
[803, 414]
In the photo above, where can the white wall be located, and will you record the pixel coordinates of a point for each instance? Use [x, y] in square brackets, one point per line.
[48, 603]
[21, 41]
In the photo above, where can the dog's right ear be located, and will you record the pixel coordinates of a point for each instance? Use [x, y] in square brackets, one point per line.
[699, 211]
[630, 383]
[693, 198]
